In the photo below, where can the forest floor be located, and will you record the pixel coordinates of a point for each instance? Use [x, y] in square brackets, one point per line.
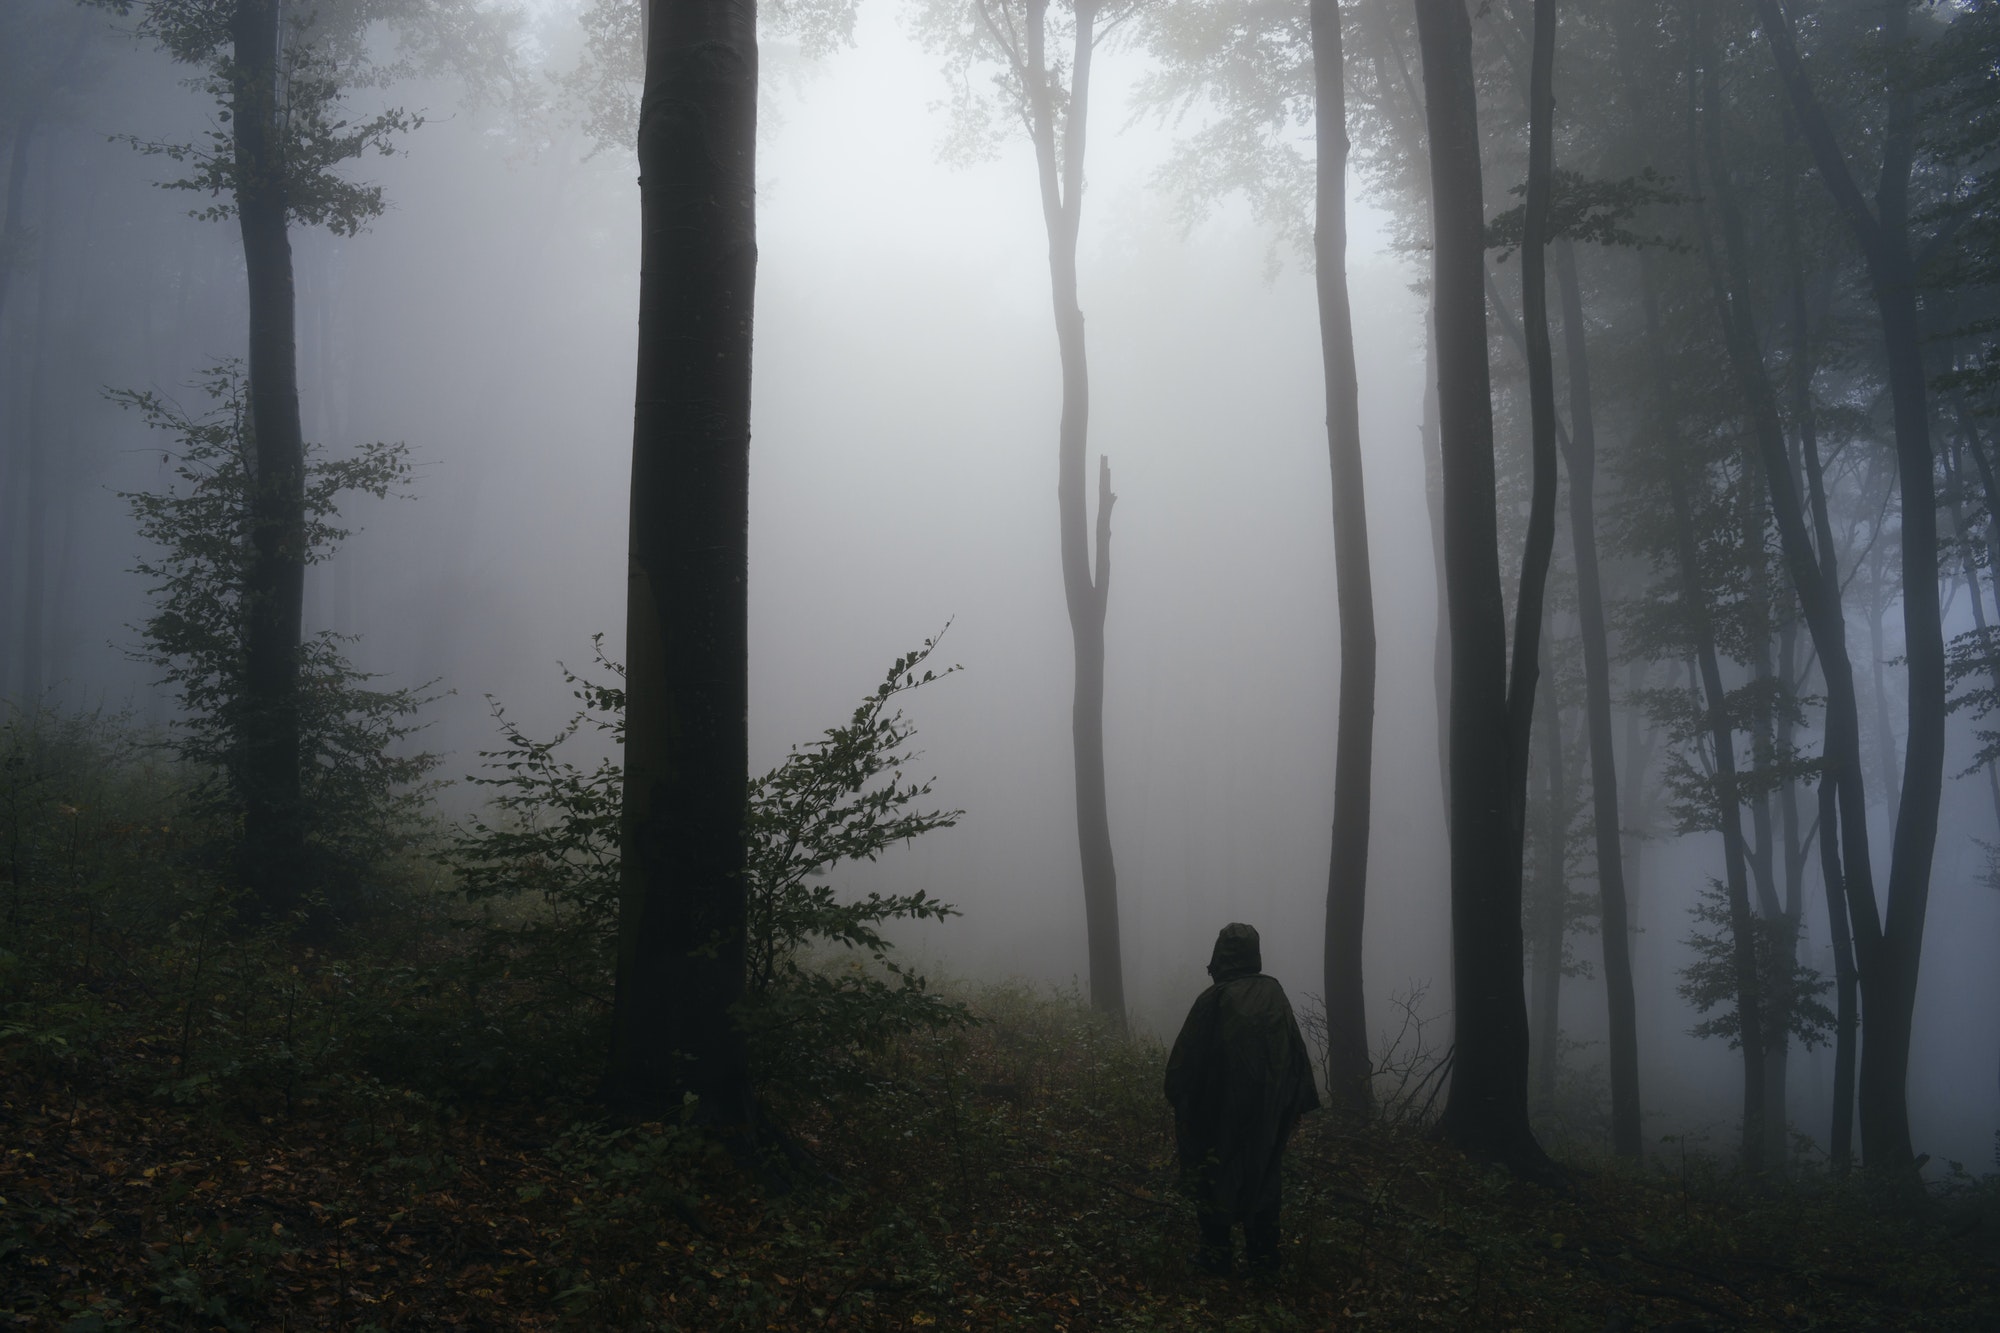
[1014, 1174]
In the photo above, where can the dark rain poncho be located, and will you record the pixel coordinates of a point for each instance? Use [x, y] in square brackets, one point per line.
[1239, 1079]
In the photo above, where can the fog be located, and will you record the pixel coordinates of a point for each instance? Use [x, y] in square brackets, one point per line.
[903, 479]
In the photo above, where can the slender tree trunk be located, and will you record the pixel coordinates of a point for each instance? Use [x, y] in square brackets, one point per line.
[682, 898]
[1889, 946]
[1729, 813]
[1551, 891]
[1840, 1133]
[1768, 915]
[273, 864]
[1885, 731]
[1812, 574]
[1785, 929]
[1833, 882]
[1434, 504]
[1349, 1068]
[1059, 161]
[1632, 791]
[1581, 459]
[1539, 546]
[1486, 1108]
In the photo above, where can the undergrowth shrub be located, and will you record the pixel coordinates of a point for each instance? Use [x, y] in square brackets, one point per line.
[364, 788]
[123, 960]
[821, 984]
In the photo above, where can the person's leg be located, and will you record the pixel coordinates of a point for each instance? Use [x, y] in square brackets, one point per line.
[1260, 1238]
[1214, 1255]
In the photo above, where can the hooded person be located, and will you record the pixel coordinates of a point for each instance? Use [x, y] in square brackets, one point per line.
[1239, 1079]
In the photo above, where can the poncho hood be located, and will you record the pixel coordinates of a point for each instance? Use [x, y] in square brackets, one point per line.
[1238, 953]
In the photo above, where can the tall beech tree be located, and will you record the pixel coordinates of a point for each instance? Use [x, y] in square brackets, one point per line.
[1486, 1112]
[1348, 1065]
[682, 893]
[1580, 458]
[1050, 96]
[1888, 937]
[280, 73]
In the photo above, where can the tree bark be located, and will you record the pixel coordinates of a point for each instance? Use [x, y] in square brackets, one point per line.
[273, 853]
[1539, 547]
[1486, 1109]
[1889, 946]
[1551, 920]
[1840, 1141]
[1615, 932]
[682, 908]
[1840, 1129]
[1059, 163]
[1349, 1069]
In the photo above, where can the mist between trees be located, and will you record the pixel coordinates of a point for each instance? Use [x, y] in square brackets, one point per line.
[1557, 529]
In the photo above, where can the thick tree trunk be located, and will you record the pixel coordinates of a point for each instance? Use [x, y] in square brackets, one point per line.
[1059, 165]
[1486, 1111]
[682, 908]
[273, 852]
[1349, 1068]
[1581, 458]
[1889, 946]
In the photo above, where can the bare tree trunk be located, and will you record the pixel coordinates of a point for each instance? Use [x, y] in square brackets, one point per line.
[1349, 1068]
[1059, 161]
[1878, 598]
[1729, 812]
[1840, 1133]
[1785, 929]
[1826, 569]
[1551, 891]
[682, 901]
[1539, 547]
[273, 851]
[1615, 935]
[1768, 918]
[1486, 1108]
[1889, 945]
[1434, 504]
